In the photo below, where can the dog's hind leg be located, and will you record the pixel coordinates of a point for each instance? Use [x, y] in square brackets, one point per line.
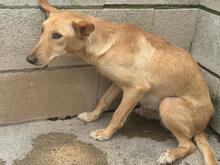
[177, 116]
[131, 97]
[104, 102]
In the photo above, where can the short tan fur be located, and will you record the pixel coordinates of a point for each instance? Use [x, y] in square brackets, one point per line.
[146, 68]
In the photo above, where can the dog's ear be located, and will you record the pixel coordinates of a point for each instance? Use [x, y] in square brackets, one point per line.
[47, 7]
[83, 29]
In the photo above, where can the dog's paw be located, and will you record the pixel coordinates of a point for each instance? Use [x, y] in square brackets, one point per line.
[87, 117]
[165, 158]
[100, 135]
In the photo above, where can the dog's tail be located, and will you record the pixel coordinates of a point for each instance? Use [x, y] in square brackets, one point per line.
[206, 149]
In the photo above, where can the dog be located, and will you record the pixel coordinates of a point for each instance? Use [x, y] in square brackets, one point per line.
[145, 68]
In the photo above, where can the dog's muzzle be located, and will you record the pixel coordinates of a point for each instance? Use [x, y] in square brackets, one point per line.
[31, 59]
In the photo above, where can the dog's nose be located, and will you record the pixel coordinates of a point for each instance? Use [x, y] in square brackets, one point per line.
[31, 59]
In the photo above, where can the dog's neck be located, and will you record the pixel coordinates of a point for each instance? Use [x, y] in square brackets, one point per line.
[98, 44]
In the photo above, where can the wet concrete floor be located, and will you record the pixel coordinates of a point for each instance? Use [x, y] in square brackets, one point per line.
[67, 142]
[62, 149]
[137, 126]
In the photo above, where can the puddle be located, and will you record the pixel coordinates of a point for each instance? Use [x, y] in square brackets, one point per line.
[62, 149]
[2, 162]
[137, 126]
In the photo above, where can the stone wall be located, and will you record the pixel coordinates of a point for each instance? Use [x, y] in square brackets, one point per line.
[69, 86]
[206, 50]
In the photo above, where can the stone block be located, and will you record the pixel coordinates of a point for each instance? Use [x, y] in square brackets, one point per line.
[176, 25]
[140, 17]
[20, 30]
[31, 3]
[214, 87]
[206, 44]
[211, 4]
[37, 95]
[155, 2]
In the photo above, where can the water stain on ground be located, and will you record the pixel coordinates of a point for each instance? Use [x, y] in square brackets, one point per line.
[137, 126]
[62, 149]
[2, 162]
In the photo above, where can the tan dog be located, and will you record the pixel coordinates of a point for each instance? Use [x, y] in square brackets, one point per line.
[145, 68]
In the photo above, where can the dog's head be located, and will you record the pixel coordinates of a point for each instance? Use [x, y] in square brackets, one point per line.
[63, 32]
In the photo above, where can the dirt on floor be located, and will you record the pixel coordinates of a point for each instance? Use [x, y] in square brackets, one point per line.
[2, 162]
[60, 148]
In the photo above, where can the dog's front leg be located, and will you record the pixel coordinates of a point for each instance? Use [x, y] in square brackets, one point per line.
[131, 97]
[104, 102]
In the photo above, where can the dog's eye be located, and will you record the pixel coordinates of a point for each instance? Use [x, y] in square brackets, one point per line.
[57, 36]
[42, 30]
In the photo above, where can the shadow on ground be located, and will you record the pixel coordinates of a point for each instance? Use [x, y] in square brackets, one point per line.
[137, 126]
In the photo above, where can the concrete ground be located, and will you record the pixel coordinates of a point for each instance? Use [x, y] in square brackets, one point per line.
[67, 142]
